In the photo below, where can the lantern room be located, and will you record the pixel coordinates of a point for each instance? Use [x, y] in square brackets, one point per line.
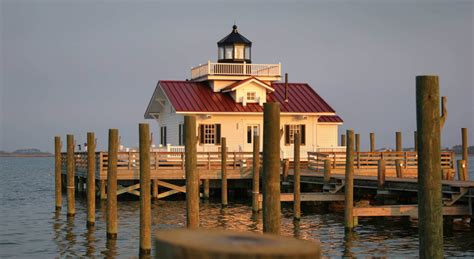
[234, 48]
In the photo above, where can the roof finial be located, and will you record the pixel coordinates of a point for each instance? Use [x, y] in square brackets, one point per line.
[234, 28]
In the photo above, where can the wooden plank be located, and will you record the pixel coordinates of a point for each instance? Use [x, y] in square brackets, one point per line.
[309, 196]
[172, 186]
[128, 188]
[167, 193]
[405, 210]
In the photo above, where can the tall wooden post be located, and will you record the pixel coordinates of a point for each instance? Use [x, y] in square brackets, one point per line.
[357, 142]
[381, 176]
[223, 172]
[145, 199]
[112, 185]
[206, 188]
[90, 179]
[271, 168]
[349, 188]
[343, 140]
[192, 175]
[103, 188]
[296, 174]
[464, 147]
[398, 138]
[71, 209]
[327, 174]
[416, 141]
[430, 213]
[57, 172]
[154, 189]
[462, 170]
[399, 168]
[256, 173]
[372, 142]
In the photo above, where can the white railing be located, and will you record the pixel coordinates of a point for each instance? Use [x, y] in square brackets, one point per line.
[236, 69]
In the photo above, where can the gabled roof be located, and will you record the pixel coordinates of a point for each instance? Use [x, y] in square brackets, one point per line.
[241, 83]
[330, 119]
[234, 37]
[198, 97]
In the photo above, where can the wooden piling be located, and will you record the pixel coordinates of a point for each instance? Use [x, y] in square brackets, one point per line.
[372, 142]
[112, 185]
[416, 141]
[103, 188]
[206, 188]
[349, 188]
[271, 168]
[192, 175]
[462, 170]
[223, 172]
[256, 173]
[286, 169]
[145, 199]
[296, 176]
[343, 140]
[57, 172]
[327, 175]
[430, 213]
[464, 147]
[398, 140]
[154, 195]
[90, 179]
[71, 209]
[381, 175]
[357, 142]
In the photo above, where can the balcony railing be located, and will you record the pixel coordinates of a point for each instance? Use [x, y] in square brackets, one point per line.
[235, 69]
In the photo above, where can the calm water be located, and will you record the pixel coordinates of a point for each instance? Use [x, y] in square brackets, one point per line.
[29, 227]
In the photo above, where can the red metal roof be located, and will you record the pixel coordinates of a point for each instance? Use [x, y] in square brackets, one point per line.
[187, 96]
[329, 118]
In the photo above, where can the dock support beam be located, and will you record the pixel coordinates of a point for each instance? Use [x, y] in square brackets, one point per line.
[271, 168]
[90, 179]
[192, 175]
[462, 170]
[343, 140]
[415, 141]
[154, 189]
[57, 172]
[398, 140]
[464, 147]
[224, 172]
[103, 192]
[145, 199]
[327, 175]
[372, 142]
[206, 188]
[256, 173]
[349, 188]
[71, 209]
[430, 211]
[297, 182]
[112, 185]
[381, 177]
[399, 168]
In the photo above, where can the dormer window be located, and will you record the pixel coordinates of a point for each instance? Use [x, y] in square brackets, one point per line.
[251, 96]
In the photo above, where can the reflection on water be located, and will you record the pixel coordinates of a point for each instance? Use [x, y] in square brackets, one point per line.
[30, 227]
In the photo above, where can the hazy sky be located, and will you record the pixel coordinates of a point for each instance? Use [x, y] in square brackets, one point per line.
[78, 66]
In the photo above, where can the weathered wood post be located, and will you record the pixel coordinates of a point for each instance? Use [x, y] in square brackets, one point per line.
[399, 168]
[90, 179]
[430, 213]
[206, 188]
[381, 177]
[343, 140]
[192, 175]
[464, 148]
[112, 185]
[57, 172]
[154, 189]
[372, 142]
[416, 141]
[327, 175]
[296, 175]
[208, 243]
[286, 169]
[398, 140]
[256, 173]
[462, 170]
[145, 199]
[224, 172]
[271, 168]
[71, 209]
[349, 188]
[103, 188]
[357, 142]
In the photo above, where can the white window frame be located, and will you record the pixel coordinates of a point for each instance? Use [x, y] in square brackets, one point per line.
[254, 100]
[210, 133]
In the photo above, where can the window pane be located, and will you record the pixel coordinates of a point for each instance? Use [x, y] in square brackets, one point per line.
[228, 52]
[247, 52]
[221, 52]
[239, 52]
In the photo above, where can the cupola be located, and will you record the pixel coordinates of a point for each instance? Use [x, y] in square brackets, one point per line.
[234, 48]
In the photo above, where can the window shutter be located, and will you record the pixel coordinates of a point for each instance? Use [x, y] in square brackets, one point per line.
[179, 135]
[166, 142]
[303, 134]
[287, 134]
[218, 134]
[201, 134]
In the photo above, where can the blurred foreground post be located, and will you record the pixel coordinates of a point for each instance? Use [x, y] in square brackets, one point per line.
[112, 185]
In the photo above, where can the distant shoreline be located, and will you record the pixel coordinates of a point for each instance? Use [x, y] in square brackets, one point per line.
[26, 155]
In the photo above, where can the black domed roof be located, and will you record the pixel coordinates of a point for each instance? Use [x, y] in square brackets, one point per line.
[234, 37]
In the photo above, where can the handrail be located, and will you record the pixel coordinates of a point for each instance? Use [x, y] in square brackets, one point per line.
[236, 69]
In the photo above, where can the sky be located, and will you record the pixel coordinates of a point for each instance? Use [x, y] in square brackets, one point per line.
[69, 67]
